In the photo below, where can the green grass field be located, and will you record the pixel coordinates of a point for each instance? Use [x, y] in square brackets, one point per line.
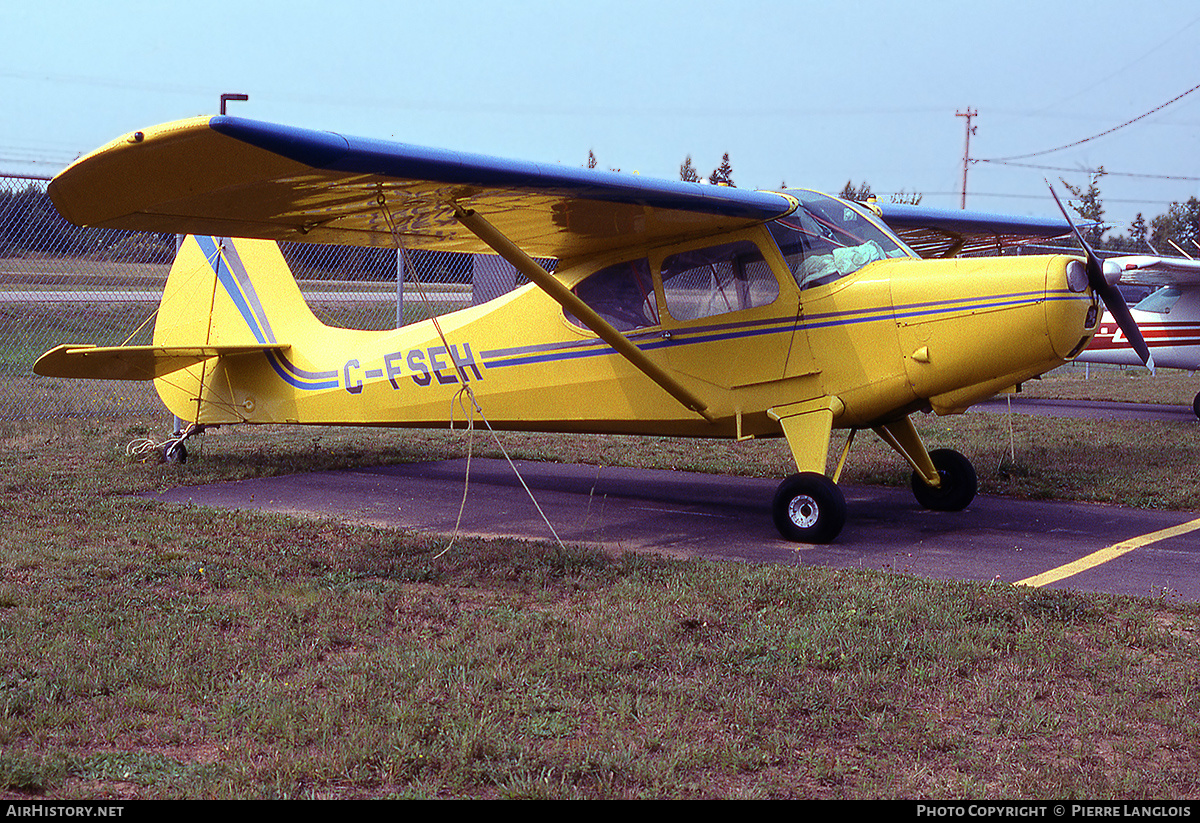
[149, 651]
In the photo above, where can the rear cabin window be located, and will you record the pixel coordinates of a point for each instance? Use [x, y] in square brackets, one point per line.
[622, 294]
[717, 280]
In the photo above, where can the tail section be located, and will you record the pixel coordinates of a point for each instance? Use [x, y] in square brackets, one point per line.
[211, 309]
[217, 293]
[234, 342]
[236, 298]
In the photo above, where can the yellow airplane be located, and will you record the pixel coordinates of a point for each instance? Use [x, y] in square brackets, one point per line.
[673, 308]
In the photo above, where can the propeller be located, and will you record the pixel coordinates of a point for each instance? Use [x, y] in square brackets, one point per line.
[1108, 291]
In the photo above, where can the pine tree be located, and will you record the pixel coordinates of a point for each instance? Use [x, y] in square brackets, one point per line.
[1139, 234]
[1090, 207]
[591, 164]
[723, 174]
[687, 172]
[859, 194]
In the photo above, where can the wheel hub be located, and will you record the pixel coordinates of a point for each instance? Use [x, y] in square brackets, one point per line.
[803, 511]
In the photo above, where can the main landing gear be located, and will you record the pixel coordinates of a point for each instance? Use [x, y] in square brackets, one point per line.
[810, 508]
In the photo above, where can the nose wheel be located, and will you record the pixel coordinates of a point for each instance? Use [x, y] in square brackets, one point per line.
[809, 508]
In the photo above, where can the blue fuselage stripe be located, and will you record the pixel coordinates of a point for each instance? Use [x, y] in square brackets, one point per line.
[238, 286]
[574, 350]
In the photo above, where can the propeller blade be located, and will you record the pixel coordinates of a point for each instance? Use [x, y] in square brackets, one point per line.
[1114, 301]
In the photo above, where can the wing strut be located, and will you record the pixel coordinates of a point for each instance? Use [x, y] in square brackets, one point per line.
[550, 284]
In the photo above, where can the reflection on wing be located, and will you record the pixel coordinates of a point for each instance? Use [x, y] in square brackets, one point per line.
[1146, 270]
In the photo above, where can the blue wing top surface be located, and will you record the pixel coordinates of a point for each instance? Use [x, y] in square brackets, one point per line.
[236, 177]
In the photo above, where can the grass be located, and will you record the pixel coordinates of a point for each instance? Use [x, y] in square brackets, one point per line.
[149, 651]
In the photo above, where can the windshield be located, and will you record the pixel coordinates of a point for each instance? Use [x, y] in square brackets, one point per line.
[826, 238]
[1160, 301]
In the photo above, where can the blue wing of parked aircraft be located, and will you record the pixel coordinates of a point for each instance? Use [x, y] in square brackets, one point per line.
[933, 232]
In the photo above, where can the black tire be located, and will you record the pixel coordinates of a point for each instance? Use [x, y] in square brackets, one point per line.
[809, 508]
[175, 452]
[1196, 406]
[959, 483]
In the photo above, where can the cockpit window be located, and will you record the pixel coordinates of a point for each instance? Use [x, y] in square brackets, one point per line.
[1160, 301]
[826, 239]
[716, 280]
[622, 294]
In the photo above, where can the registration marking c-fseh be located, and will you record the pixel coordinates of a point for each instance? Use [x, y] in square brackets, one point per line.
[1110, 553]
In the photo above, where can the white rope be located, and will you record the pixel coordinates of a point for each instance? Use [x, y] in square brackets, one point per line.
[144, 446]
[465, 392]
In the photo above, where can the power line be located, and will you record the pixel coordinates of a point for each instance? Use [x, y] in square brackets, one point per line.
[1078, 170]
[1094, 136]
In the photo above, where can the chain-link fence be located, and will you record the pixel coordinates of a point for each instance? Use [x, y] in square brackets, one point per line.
[63, 284]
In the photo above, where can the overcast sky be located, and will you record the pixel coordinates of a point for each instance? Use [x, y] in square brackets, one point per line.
[811, 94]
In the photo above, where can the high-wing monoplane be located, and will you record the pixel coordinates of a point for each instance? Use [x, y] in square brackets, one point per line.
[1169, 317]
[673, 308]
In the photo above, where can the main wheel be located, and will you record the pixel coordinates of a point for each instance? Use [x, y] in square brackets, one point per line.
[959, 483]
[809, 508]
[1196, 405]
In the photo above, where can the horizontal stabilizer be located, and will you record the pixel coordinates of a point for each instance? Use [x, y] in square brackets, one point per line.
[133, 362]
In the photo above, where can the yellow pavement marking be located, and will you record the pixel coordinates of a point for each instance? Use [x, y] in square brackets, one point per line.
[1107, 554]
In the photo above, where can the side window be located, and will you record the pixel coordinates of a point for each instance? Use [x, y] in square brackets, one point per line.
[622, 294]
[717, 280]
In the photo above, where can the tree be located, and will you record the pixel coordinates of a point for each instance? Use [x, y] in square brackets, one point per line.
[1179, 226]
[1139, 236]
[687, 172]
[849, 192]
[591, 164]
[1090, 207]
[723, 174]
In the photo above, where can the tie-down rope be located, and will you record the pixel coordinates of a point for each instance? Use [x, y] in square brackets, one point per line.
[466, 393]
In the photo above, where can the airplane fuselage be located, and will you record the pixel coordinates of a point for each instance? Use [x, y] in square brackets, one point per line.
[896, 336]
[1172, 333]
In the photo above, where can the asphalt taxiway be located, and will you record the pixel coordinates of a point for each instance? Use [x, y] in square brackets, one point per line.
[1090, 409]
[1063, 545]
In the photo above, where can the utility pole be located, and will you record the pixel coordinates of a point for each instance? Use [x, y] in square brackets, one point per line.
[969, 114]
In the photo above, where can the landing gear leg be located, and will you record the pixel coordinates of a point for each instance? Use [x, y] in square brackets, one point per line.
[942, 480]
[808, 507]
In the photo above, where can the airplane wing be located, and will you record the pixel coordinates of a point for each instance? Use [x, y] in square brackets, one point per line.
[230, 176]
[1147, 270]
[934, 233]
